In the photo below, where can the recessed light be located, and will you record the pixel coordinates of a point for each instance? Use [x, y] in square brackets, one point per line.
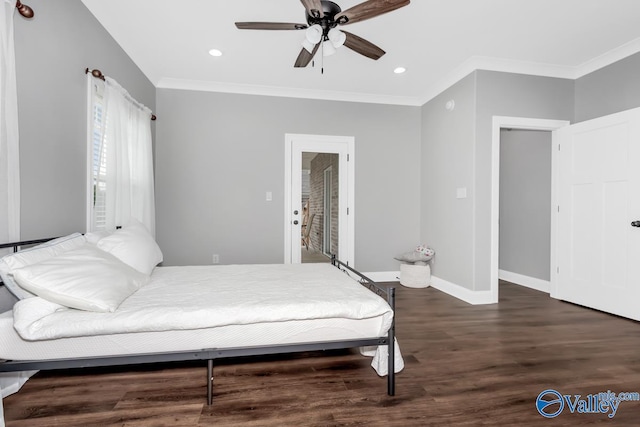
[215, 52]
[400, 70]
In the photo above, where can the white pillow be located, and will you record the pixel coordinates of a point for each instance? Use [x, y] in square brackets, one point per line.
[33, 255]
[95, 236]
[44, 251]
[413, 256]
[86, 278]
[134, 246]
[11, 284]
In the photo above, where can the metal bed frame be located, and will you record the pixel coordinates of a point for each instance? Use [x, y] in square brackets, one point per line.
[211, 354]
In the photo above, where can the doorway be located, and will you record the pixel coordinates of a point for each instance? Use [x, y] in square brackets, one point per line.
[320, 195]
[319, 219]
[525, 206]
[500, 123]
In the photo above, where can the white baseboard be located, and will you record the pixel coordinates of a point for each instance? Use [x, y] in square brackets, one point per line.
[462, 293]
[384, 276]
[456, 291]
[529, 282]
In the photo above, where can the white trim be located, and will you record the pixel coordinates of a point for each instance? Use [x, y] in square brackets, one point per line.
[531, 124]
[462, 293]
[468, 66]
[326, 227]
[476, 63]
[527, 281]
[608, 58]
[345, 146]
[287, 92]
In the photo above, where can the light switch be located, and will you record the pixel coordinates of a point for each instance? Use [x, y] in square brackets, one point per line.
[269, 196]
[461, 193]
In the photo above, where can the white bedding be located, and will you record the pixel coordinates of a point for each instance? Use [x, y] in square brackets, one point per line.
[198, 297]
[191, 308]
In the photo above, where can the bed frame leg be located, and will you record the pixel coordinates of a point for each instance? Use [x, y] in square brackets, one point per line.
[391, 372]
[210, 382]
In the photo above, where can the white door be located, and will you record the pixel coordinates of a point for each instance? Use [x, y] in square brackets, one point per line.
[599, 199]
[295, 145]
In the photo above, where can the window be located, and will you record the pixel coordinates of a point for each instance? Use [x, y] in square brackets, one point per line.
[119, 158]
[96, 216]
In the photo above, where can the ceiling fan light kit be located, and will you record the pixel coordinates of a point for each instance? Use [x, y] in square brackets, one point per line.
[323, 18]
[337, 37]
[327, 48]
[314, 34]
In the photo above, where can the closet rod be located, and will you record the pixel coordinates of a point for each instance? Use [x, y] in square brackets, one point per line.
[98, 75]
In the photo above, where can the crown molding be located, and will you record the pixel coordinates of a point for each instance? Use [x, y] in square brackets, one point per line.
[614, 55]
[531, 68]
[472, 64]
[206, 86]
[476, 63]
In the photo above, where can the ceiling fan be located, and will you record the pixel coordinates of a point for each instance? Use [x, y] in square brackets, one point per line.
[323, 19]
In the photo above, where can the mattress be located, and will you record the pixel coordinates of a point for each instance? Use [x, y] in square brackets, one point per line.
[279, 304]
[13, 347]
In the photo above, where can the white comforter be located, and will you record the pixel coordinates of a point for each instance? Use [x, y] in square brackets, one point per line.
[208, 296]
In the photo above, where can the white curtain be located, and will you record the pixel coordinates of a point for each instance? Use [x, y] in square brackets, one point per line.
[129, 160]
[9, 162]
[9, 155]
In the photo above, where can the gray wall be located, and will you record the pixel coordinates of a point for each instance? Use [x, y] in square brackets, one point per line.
[504, 94]
[525, 202]
[52, 51]
[446, 165]
[217, 154]
[456, 152]
[609, 90]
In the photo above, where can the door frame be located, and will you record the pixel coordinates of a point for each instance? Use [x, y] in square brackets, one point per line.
[500, 122]
[345, 147]
[327, 175]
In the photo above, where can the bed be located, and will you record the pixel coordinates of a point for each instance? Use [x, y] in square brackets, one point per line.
[186, 313]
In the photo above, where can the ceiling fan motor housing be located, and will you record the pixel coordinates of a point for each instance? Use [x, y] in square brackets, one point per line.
[330, 10]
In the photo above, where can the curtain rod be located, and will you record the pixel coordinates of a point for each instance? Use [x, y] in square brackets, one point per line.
[24, 10]
[98, 75]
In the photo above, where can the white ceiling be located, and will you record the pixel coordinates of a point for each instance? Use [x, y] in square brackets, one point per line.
[438, 41]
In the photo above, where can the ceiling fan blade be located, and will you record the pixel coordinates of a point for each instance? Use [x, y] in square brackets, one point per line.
[314, 8]
[369, 9]
[362, 46]
[305, 57]
[270, 26]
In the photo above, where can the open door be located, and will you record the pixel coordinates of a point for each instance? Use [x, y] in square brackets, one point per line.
[295, 146]
[599, 214]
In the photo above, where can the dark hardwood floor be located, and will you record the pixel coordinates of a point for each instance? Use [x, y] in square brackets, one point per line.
[465, 366]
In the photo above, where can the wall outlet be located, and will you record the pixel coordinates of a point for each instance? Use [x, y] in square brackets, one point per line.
[216, 259]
